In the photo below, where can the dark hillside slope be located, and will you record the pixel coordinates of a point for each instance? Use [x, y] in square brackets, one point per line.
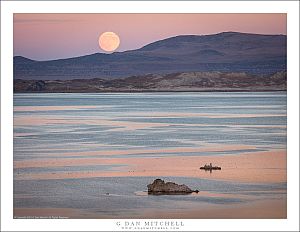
[223, 52]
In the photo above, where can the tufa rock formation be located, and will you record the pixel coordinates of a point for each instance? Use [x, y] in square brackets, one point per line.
[159, 187]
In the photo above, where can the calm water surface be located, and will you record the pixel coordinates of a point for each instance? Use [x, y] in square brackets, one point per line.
[82, 126]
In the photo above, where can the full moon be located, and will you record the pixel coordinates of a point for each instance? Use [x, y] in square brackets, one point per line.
[109, 41]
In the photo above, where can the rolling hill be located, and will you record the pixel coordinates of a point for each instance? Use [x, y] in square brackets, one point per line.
[223, 52]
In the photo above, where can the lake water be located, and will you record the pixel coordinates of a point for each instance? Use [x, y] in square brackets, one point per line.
[93, 153]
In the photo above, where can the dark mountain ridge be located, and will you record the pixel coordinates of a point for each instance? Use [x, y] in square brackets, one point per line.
[223, 52]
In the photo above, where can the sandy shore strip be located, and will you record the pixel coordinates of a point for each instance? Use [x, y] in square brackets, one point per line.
[260, 167]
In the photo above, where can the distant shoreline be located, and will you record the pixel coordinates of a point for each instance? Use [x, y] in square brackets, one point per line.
[173, 82]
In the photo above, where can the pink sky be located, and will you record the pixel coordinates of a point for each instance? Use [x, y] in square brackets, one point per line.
[53, 36]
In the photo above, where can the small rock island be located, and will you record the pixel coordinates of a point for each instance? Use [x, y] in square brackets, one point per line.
[159, 187]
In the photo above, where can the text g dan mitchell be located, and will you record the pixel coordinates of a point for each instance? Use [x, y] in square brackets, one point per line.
[150, 225]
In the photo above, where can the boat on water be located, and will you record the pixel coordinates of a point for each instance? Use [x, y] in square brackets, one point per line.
[210, 167]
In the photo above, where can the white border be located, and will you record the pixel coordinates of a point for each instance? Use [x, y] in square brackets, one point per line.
[10, 7]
